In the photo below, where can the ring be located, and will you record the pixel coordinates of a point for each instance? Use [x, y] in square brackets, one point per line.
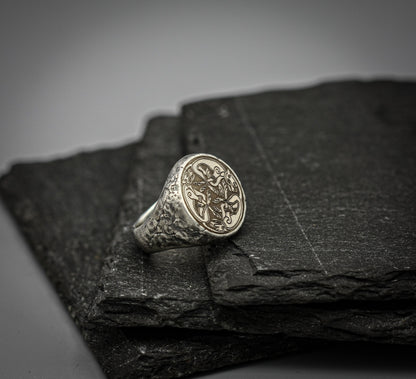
[201, 201]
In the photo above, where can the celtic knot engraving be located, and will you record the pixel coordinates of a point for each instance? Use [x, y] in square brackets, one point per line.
[213, 194]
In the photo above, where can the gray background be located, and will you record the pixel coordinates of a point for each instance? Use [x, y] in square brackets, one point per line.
[84, 74]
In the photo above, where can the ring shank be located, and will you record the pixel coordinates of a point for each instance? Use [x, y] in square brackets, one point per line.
[144, 216]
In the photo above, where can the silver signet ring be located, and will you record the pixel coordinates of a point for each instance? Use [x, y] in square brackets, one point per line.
[201, 201]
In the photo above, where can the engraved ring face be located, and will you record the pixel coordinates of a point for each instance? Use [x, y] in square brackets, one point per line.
[202, 201]
[213, 194]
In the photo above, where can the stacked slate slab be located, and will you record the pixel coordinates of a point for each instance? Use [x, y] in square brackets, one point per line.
[338, 143]
[330, 177]
[66, 209]
[172, 288]
[327, 249]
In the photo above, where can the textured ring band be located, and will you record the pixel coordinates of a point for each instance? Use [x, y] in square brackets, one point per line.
[201, 201]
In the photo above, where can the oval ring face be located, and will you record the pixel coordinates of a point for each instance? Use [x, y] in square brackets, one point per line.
[213, 194]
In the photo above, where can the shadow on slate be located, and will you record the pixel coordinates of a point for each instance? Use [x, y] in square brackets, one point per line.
[66, 210]
[171, 288]
[330, 175]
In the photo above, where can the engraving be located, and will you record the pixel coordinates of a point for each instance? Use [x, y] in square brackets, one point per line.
[162, 229]
[213, 194]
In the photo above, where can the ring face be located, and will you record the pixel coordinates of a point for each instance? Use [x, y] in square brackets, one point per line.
[202, 201]
[213, 194]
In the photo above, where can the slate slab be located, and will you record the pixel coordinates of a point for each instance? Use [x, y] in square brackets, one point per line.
[330, 175]
[168, 288]
[66, 210]
[171, 288]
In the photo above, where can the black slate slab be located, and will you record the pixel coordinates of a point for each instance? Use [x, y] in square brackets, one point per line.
[66, 210]
[171, 288]
[330, 175]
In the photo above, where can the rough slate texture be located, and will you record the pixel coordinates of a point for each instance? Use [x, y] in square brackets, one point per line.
[329, 175]
[166, 288]
[66, 210]
[171, 288]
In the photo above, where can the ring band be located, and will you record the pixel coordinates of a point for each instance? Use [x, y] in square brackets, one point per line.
[202, 201]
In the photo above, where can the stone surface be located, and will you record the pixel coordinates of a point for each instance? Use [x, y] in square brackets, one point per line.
[168, 288]
[66, 210]
[330, 175]
[171, 288]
